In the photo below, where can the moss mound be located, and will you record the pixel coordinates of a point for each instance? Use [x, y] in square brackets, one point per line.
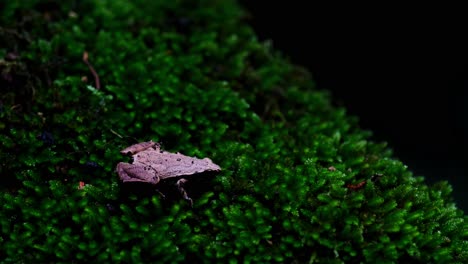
[300, 181]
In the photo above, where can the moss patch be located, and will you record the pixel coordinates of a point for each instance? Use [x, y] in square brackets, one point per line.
[194, 77]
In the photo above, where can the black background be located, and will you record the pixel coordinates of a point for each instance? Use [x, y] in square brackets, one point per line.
[401, 69]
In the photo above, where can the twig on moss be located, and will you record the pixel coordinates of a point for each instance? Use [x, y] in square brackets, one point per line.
[91, 68]
[115, 133]
[356, 186]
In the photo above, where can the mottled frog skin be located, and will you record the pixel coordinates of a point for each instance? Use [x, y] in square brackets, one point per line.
[152, 164]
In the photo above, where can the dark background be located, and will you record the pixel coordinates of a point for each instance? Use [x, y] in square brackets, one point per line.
[402, 70]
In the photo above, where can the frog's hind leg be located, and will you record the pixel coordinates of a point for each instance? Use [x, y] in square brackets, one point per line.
[142, 146]
[180, 185]
[136, 173]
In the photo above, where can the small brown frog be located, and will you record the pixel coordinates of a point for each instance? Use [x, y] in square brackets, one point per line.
[152, 164]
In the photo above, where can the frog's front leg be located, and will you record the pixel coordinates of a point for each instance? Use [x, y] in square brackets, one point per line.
[180, 185]
[137, 173]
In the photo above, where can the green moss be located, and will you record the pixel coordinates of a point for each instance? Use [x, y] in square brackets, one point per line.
[195, 77]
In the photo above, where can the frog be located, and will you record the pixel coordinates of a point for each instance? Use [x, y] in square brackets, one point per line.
[151, 164]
